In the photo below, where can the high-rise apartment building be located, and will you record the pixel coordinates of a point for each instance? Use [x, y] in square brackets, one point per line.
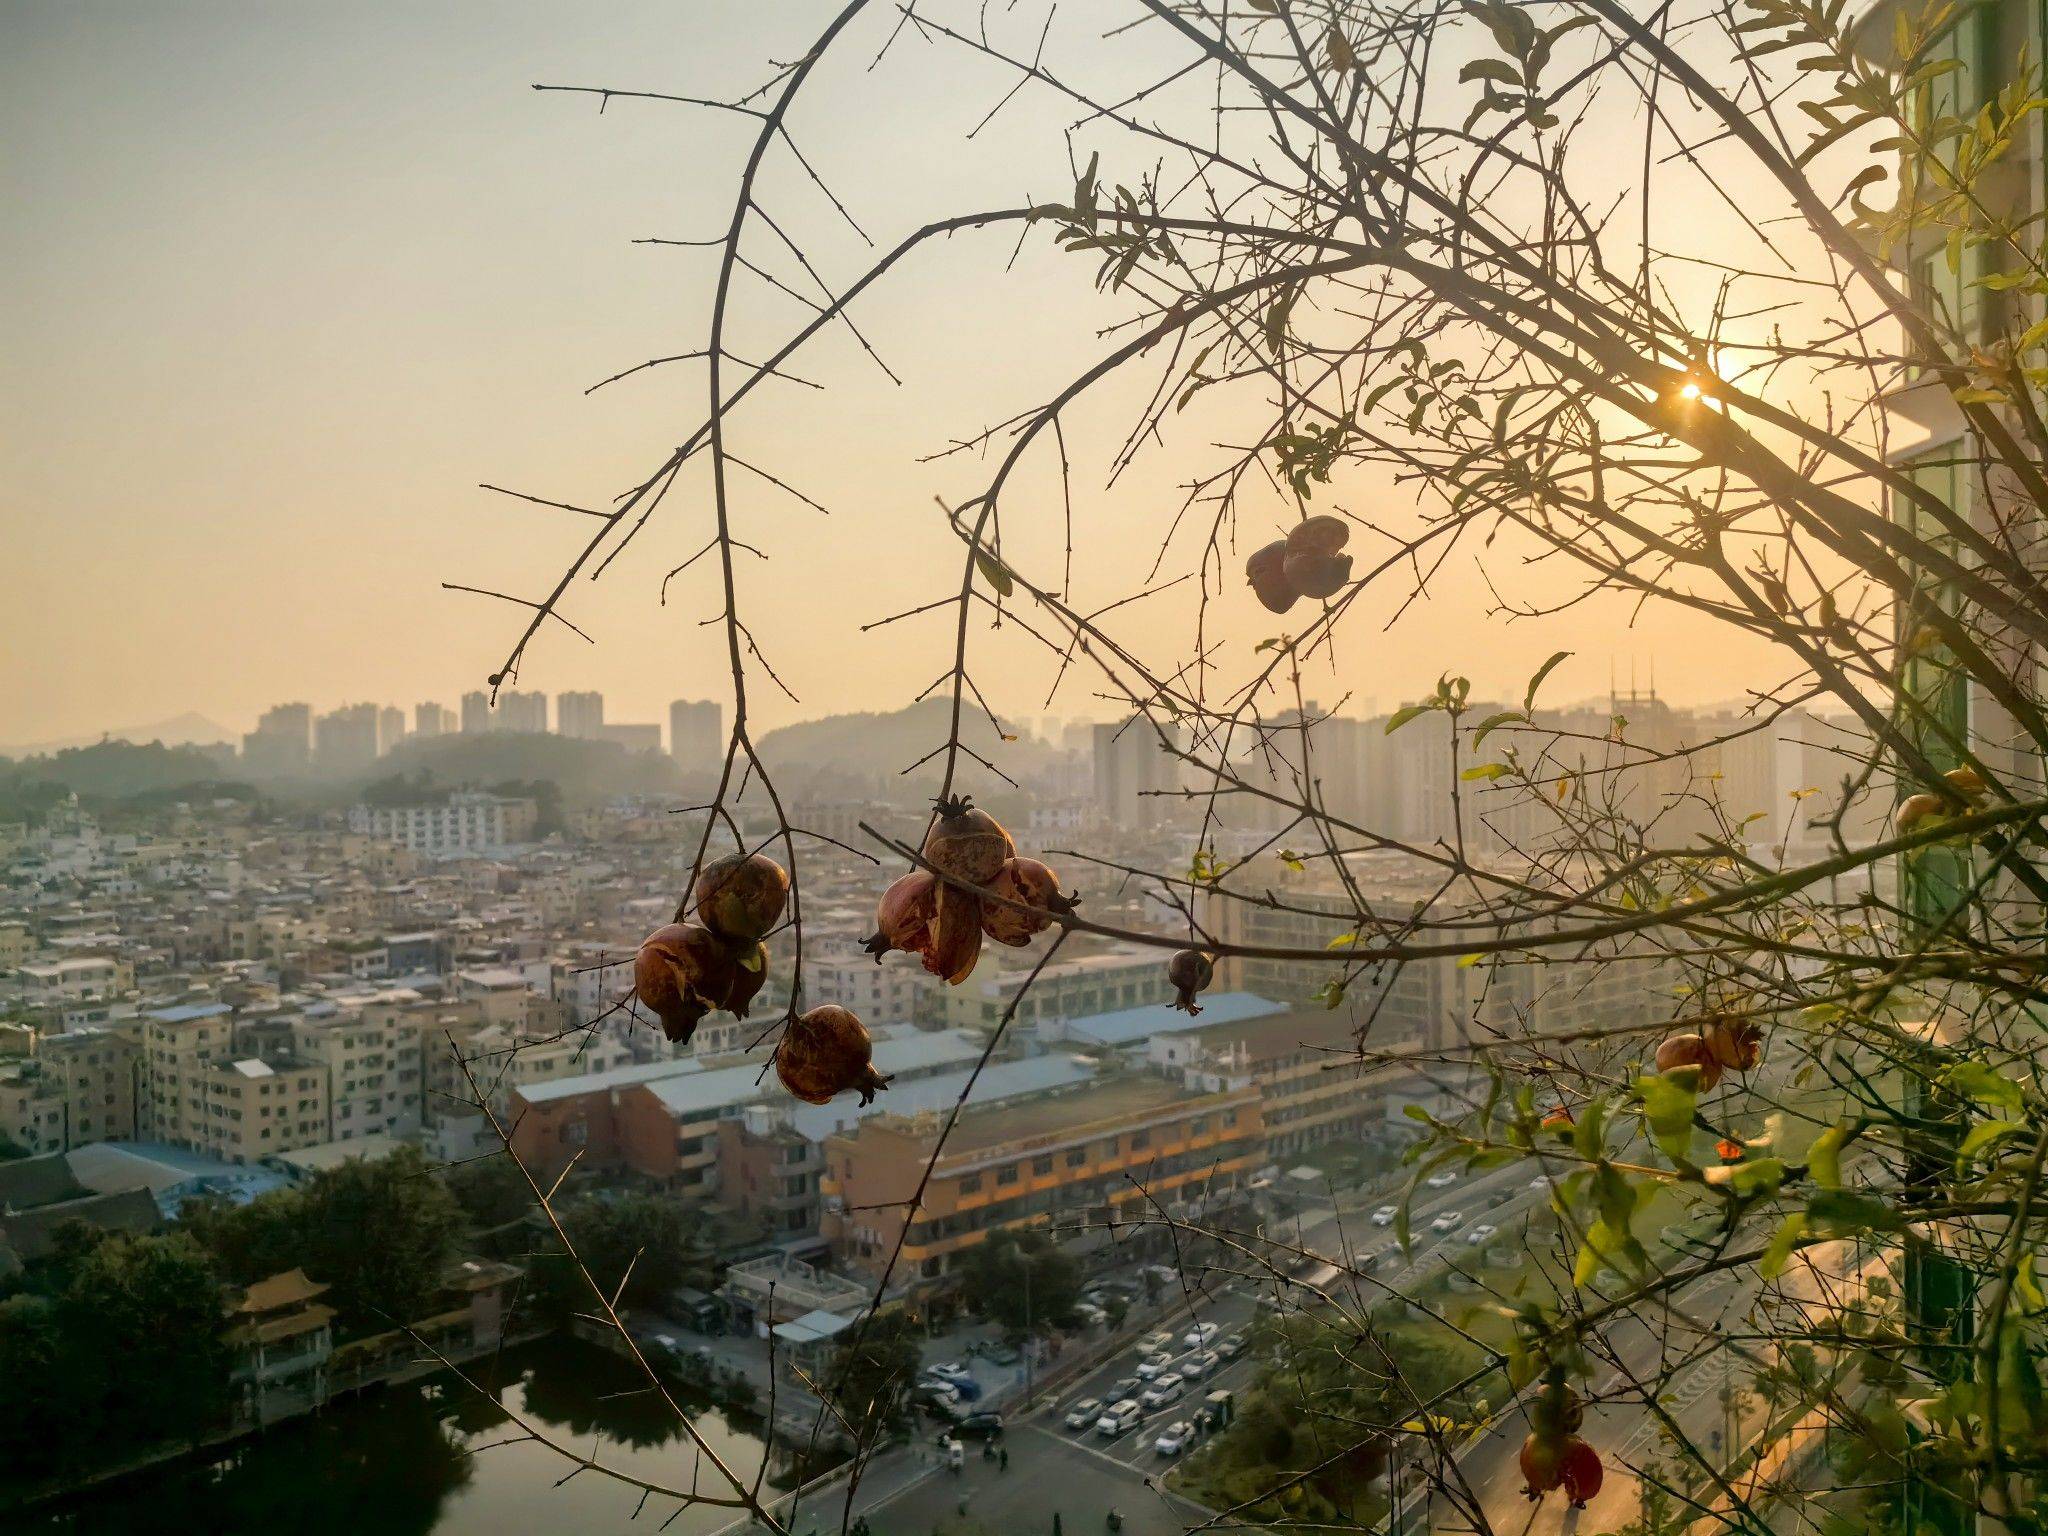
[580, 715]
[432, 720]
[476, 713]
[346, 740]
[1131, 769]
[695, 736]
[282, 742]
[390, 728]
[526, 713]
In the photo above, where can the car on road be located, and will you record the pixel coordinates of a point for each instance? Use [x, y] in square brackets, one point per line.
[1200, 1364]
[1169, 1388]
[668, 1342]
[1154, 1366]
[981, 1426]
[1122, 1387]
[1002, 1354]
[1231, 1345]
[1450, 1221]
[949, 1370]
[1442, 1180]
[1084, 1413]
[1118, 1417]
[1174, 1438]
[1153, 1343]
[1384, 1216]
[1165, 1274]
[1128, 1289]
[1200, 1335]
[1483, 1233]
[1090, 1314]
[1541, 1181]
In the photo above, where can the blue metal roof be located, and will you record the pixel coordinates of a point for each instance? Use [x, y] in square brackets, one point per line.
[1128, 1026]
[999, 1080]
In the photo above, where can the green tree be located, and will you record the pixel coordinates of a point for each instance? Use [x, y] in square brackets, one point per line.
[140, 1327]
[649, 1242]
[1022, 1280]
[10, 1149]
[871, 1374]
[491, 1191]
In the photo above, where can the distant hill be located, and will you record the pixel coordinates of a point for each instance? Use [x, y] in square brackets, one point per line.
[582, 770]
[186, 730]
[866, 754]
[108, 772]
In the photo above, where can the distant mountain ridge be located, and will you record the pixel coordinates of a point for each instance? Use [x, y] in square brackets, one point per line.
[190, 729]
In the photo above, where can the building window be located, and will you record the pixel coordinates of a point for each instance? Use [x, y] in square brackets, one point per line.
[1041, 1166]
[1077, 1157]
[1007, 1175]
[971, 1185]
[1140, 1140]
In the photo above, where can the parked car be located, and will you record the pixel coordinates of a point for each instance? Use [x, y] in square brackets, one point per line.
[1384, 1216]
[982, 1426]
[1450, 1221]
[1002, 1354]
[668, 1342]
[1090, 1314]
[1200, 1364]
[1084, 1413]
[1153, 1366]
[949, 1370]
[1200, 1335]
[1174, 1438]
[1119, 1417]
[1128, 1289]
[1442, 1180]
[1169, 1388]
[1153, 1343]
[1231, 1345]
[1482, 1233]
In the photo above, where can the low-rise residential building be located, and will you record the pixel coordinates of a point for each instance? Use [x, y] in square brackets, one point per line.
[1118, 978]
[1101, 1152]
[466, 821]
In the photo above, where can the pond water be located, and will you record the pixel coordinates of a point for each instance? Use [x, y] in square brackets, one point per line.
[427, 1457]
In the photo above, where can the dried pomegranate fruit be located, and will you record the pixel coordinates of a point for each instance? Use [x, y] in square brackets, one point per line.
[955, 942]
[1737, 1044]
[749, 970]
[1190, 971]
[825, 1052]
[903, 917]
[1318, 535]
[967, 843]
[1267, 572]
[1680, 1051]
[681, 973]
[740, 897]
[1318, 575]
[1036, 887]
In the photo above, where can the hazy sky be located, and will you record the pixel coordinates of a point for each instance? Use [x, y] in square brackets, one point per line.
[283, 282]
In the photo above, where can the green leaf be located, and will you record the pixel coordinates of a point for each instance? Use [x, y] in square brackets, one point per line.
[1749, 1180]
[1975, 1080]
[992, 569]
[1843, 1213]
[1778, 1252]
[1491, 69]
[1486, 771]
[1493, 722]
[1668, 1106]
[1330, 994]
[1273, 644]
[1529, 698]
[1466, 962]
[1348, 941]
[1824, 1157]
[1983, 1137]
[1402, 716]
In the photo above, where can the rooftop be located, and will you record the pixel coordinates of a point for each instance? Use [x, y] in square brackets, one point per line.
[1129, 1026]
[907, 1053]
[999, 1080]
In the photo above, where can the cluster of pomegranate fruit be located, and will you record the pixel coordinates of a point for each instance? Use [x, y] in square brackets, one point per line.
[1554, 1456]
[1307, 563]
[944, 925]
[1722, 1045]
[685, 969]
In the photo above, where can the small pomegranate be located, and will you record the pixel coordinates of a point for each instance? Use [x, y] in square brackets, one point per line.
[903, 917]
[740, 897]
[1312, 564]
[967, 843]
[1318, 535]
[825, 1052]
[1915, 809]
[749, 971]
[1737, 1044]
[1190, 971]
[681, 973]
[1678, 1051]
[1967, 782]
[1037, 887]
[1542, 1462]
[1580, 1472]
[1267, 572]
[955, 935]
[1728, 1150]
[1557, 1409]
